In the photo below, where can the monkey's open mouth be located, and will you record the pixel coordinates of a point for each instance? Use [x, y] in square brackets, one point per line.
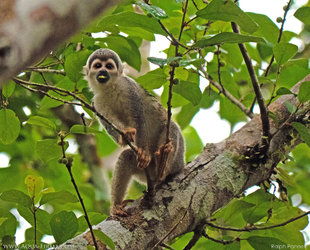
[103, 76]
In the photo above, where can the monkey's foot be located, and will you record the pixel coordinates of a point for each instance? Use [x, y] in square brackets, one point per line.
[119, 210]
[161, 157]
[129, 136]
[143, 159]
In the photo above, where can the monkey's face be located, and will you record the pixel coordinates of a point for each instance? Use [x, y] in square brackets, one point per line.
[103, 70]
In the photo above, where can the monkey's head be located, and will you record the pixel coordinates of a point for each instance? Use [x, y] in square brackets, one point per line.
[103, 67]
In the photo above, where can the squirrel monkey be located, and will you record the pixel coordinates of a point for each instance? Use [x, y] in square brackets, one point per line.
[143, 121]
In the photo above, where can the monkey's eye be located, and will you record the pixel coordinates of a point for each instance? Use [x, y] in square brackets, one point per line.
[109, 66]
[97, 65]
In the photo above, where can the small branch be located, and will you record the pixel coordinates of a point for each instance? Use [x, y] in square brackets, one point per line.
[180, 221]
[197, 235]
[258, 94]
[174, 40]
[227, 94]
[44, 70]
[68, 163]
[172, 71]
[280, 35]
[219, 67]
[254, 228]
[224, 242]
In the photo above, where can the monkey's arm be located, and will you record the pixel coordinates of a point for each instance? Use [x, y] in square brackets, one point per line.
[138, 117]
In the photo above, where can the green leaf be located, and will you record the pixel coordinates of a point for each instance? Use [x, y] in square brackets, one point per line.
[153, 79]
[9, 126]
[304, 92]
[186, 114]
[303, 131]
[259, 242]
[43, 219]
[155, 11]
[64, 225]
[35, 185]
[267, 28]
[8, 226]
[104, 239]
[131, 19]
[16, 196]
[303, 14]
[227, 37]
[284, 91]
[284, 51]
[162, 62]
[81, 129]
[290, 107]
[8, 89]
[193, 143]
[195, 62]
[226, 10]
[2, 219]
[74, 64]
[61, 197]
[41, 121]
[189, 91]
[48, 149]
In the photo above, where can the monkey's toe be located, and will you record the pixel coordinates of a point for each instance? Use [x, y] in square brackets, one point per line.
[143, 159]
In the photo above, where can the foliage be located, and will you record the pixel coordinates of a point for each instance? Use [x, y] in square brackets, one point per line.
[203, 47]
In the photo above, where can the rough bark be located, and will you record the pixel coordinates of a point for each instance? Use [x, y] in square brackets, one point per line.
[29, 30]
[222, 172]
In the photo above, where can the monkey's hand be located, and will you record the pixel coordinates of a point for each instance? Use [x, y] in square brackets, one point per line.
[129, 136]
[143, 159]
[161, 158]
[119, 210]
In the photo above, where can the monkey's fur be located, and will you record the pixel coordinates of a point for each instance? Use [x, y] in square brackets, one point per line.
[142, 119]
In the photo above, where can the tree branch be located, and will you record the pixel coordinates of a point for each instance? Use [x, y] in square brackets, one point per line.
[220, 172]
[258, 94]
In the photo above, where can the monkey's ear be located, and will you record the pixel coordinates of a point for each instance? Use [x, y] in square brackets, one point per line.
[121, 68]
[85, 70]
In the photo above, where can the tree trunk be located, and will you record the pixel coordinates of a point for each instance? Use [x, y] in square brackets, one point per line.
[222, 172]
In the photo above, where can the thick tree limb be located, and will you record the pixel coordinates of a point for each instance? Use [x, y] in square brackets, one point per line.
[222, 171]
[49, 22]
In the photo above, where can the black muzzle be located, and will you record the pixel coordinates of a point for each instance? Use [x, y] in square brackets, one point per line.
[103, 76]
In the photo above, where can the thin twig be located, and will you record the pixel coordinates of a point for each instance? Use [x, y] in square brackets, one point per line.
[257, 90]
[45, 70]
[68, 164]
[254, 228]
[224, 242]
[280, 35]
[197, 234]
[227, 94]
[172, 71]
[175, 225]
[174, 40]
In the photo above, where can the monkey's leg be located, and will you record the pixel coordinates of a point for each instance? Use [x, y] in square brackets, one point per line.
[125, 168]
[148, 196]
[161, 159]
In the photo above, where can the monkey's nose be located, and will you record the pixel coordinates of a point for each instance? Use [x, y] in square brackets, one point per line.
[103, 76]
